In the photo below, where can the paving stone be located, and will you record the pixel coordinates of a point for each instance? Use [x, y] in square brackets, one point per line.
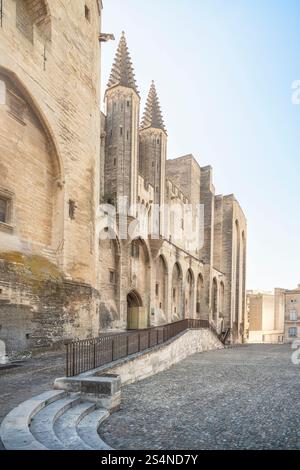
[240, 398]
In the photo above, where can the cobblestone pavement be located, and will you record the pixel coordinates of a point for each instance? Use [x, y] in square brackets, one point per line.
[241, 398]
[34, 377]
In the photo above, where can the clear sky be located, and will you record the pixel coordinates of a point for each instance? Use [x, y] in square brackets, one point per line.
[224, 71]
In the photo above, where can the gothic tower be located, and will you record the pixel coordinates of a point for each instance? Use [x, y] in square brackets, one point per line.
[122, 125]
[153, 146]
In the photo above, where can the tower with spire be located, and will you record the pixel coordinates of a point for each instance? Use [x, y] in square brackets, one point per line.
[122, 129]
[153, 146]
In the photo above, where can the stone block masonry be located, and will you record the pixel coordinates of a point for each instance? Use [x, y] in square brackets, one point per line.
[40, 309]
[61, 157]
[162, 358]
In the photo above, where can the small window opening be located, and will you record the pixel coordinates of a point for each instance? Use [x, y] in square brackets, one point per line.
[87, 13]
[72, 209]
[135, 250]
[3, 210]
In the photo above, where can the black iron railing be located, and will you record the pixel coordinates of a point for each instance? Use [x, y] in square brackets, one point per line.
[89, 354]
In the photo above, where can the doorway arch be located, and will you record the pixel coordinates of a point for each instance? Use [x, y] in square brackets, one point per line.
[137, 318]
[134, 299]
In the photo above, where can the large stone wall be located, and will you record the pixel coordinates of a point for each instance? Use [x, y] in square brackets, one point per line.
[186, 173]
[40, 309]
[59, 157]
[60, 80]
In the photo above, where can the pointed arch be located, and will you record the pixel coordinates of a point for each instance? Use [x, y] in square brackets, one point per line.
[140, 263]
[134, 300]
[29, 153]
[32, 103]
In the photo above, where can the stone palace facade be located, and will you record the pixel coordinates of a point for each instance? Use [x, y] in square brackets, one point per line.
[66, 169]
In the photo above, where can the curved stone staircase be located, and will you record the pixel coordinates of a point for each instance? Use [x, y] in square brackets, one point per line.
[54, 420]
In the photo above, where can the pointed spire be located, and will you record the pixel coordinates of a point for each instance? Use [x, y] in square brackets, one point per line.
[122, 70]
[152, 115]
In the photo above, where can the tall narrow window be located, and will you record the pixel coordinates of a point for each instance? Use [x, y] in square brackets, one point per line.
[112, 277]
[87, 13]
[72, 209]
[293, 332]
[135, 249]
[6, 201]
[3, 210]
[293, 315]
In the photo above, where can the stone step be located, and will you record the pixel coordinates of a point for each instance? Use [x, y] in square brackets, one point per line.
[43, 422]
[65, 427]
[88, 427]
[15, 428]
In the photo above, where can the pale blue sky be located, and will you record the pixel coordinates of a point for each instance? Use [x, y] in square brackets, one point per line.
[224, 71]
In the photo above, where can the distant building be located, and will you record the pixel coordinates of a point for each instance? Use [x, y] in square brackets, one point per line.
[287, 306]
[266, 324]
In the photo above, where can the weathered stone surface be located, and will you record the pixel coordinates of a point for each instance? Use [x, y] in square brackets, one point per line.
[238, 398]
[162, 358]
[60, 157]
